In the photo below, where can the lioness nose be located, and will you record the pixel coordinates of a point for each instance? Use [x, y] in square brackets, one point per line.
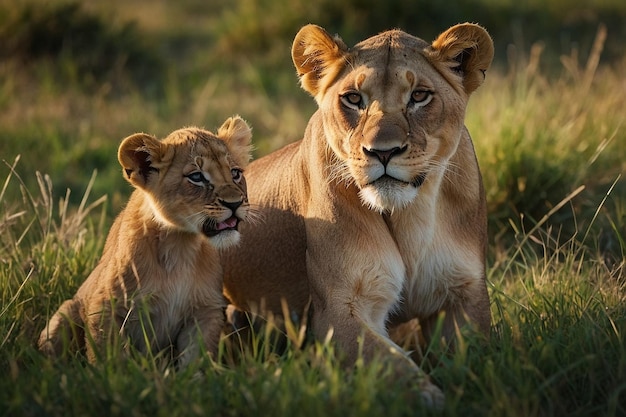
[232, 205]
[384, 156]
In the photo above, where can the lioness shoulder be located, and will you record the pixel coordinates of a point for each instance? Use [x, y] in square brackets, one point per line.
[159, 280]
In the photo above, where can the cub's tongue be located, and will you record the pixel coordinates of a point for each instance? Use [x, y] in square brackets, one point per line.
[210, 228]
[227, 224]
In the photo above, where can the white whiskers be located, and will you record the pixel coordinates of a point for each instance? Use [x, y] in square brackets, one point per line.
[337, 171]
[254, 215]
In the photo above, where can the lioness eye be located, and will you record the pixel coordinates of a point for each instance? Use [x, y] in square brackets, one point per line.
[352, 100]
[196, 178]
[236, 174]
[420, 96]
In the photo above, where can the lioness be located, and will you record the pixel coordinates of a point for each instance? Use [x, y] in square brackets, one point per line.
[159, 281]
[378, 214]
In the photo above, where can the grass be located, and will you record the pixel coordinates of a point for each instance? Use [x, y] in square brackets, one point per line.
[557, 344]
[549, 133]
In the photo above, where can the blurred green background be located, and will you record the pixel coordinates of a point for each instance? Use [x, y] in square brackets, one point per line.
[77, 77]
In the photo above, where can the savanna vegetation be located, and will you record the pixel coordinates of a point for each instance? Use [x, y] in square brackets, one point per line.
[548, 126]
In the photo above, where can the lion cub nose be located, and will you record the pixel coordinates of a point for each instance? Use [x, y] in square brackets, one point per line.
[384, 156]
[232, 205]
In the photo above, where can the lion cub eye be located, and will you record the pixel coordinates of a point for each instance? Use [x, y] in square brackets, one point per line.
[196, 178]
[237, 174]
[420, 96]
[352, 100]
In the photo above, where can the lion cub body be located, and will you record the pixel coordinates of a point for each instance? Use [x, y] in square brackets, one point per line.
[377, 216]
[158, 284]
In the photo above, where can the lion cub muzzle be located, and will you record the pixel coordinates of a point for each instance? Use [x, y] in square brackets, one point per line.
[212, 227]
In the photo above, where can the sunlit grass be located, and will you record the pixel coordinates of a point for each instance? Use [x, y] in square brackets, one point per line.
[540, 138]
[556, 346]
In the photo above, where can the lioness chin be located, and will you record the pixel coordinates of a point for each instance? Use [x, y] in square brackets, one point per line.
[377, 216]
[158, 283]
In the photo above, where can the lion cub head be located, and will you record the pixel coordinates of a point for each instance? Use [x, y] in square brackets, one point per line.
[193, 179]
[393, 105]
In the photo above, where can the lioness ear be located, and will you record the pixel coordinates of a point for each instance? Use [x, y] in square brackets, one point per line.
[469, 49]
[138, 155]
[318, 58]
[238, 136]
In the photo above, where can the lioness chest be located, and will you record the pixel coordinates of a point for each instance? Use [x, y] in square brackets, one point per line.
[438, 268]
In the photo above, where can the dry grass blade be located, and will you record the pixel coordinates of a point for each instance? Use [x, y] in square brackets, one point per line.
[539, 224]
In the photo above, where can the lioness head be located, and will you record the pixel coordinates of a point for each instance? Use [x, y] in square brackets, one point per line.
[193, 179]
[393, 105]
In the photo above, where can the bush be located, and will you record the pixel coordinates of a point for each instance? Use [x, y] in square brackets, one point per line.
[80, 46]
[253, 26]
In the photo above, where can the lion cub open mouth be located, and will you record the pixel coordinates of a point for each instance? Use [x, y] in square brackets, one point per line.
[212, 228]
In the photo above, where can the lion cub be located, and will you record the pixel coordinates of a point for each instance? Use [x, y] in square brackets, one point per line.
[158, 284]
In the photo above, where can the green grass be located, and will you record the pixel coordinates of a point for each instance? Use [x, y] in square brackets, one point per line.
[556, 348]
[549, 133]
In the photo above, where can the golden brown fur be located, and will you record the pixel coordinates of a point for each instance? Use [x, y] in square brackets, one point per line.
[377, 215]
[159, 281]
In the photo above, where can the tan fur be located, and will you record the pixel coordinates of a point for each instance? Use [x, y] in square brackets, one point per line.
[373, 251]
[159, 281]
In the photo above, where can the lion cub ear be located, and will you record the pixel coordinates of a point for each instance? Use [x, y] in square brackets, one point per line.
[238, 136]
[470, 50]
[318, 58]
[139, 154]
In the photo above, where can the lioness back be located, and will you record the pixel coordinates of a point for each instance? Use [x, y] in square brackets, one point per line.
[269, 264]
[377, 216]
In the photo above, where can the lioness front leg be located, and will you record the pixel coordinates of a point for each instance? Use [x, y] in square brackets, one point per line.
[357, 337]
[472, 311]
[352, 295]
